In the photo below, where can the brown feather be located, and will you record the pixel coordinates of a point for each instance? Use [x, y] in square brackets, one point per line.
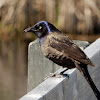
[60, 46]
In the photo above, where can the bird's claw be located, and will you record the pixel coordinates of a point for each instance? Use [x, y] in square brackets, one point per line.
[53, 75]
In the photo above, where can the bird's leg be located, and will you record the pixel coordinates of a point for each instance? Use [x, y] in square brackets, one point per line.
[62, 73]
[57, 74]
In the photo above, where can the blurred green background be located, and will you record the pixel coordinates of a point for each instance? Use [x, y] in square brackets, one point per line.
[79, 19]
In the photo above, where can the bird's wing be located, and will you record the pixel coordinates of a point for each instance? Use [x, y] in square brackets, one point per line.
[64, 44]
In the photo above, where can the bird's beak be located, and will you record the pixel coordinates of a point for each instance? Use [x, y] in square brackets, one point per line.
[30, 29]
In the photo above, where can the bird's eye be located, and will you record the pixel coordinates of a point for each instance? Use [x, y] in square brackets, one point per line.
[36, 27]
[40, 27]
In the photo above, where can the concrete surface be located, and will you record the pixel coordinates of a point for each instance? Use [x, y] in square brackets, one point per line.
[40, 67]
[73, 88]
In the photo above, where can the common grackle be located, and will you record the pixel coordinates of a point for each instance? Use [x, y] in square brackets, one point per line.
[59, 48]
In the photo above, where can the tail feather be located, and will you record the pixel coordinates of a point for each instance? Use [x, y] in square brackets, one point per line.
[83, 69]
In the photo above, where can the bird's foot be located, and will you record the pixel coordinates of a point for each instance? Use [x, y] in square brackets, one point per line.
[57, 75]
[65, 75]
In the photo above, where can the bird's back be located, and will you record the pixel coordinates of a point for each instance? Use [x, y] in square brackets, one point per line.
[60, 49]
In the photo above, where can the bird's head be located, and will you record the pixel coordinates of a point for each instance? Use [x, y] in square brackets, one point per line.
[41, 29]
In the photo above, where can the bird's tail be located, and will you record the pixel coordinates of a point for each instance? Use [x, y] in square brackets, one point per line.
[83, 69]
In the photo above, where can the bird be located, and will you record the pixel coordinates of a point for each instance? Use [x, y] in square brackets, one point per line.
[59, 48]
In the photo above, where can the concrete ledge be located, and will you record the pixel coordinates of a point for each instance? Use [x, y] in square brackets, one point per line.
[73, 88]
[50, 89]
[40, 67]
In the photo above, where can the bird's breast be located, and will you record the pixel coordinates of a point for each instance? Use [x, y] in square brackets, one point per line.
[48, 51]
[56, 56]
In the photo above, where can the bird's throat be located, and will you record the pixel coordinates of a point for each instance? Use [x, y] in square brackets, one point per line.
[41, 40]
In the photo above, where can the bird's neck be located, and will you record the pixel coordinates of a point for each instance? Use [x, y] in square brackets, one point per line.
[41, 40]
[50, 30]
